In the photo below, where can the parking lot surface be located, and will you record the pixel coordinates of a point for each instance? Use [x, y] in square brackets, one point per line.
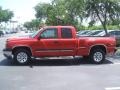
[59, 73]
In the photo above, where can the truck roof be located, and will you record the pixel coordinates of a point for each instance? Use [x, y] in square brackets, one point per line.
[59, 26]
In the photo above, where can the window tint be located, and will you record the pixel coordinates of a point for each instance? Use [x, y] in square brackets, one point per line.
[112, 33]
[117, 33]
[66, 33]
[49, 33]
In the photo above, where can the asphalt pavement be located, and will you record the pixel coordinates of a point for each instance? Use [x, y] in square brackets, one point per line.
[59, 73]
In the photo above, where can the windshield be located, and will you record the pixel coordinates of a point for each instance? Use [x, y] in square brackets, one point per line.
[35, 33]
[96, 32]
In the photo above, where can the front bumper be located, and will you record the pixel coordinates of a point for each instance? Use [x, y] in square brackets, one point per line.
[7, 53]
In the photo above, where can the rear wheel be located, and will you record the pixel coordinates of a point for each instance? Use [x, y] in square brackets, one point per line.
[22, 56]
[97, 56]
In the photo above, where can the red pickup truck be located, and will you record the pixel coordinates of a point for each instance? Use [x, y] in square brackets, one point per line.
[54, 41]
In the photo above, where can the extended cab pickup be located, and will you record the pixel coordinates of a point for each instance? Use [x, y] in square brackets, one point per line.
[53, 41]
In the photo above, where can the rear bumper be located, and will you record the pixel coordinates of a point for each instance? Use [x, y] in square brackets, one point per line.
[7, 53]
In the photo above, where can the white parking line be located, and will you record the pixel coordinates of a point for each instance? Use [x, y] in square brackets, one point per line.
[112, 88]
[116, 63]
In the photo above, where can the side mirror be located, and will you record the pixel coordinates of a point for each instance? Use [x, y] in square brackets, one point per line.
[39, 38]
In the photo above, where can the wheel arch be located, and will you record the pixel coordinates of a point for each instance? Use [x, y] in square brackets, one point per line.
[102, 47]
[22, 47]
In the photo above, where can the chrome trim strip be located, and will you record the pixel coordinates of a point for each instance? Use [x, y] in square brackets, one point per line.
[55, 51]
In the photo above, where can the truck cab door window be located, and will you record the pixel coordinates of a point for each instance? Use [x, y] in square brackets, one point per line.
[66, 33]
[49, 33]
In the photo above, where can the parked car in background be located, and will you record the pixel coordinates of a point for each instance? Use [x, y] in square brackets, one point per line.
[95, 32]
[88, 32]
[8, 31]
[26, 33]
[1, 33]
[83, 32]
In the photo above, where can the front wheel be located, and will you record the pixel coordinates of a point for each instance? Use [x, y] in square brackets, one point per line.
[22, 56]
[97, 56]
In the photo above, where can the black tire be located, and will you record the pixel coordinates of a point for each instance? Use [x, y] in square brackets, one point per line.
[22, 60]
[97, 56]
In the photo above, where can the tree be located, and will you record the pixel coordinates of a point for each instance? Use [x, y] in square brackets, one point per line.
[33, 24]
[27, 25]
[49, 13]
[75, 9]
[74, 12]
[57, 13]
[103, 11]
[5, 15]
[41, 10]
[60, 12]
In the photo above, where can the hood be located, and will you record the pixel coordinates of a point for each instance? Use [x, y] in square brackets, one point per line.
[18, 38]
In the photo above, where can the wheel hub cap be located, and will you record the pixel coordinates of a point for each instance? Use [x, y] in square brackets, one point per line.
[98, 56]
[22, 57]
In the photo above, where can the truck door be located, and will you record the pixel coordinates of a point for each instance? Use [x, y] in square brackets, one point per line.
[48, 45]
[68, 43]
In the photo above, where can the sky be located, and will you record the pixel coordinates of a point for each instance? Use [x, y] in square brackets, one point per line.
[23, 9]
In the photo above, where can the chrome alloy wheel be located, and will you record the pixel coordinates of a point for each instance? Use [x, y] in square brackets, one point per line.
[22, 57]
[98, 56]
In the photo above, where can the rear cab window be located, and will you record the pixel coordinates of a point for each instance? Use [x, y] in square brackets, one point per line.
[66, 33]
